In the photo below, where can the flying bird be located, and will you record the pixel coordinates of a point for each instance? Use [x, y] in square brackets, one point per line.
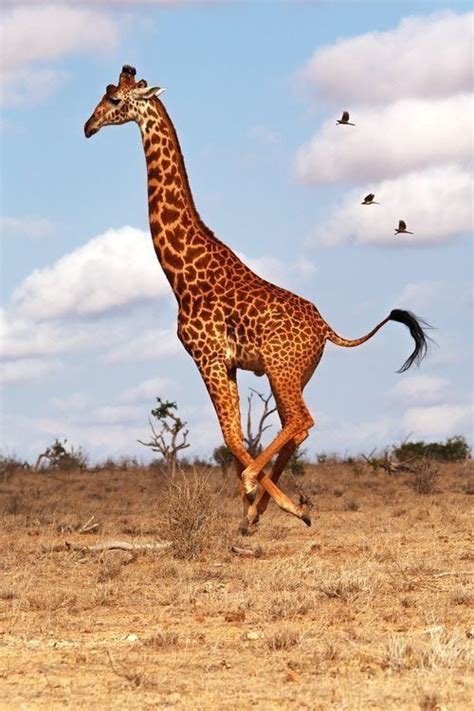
[402, 229]
[369, 200]
[345, 119]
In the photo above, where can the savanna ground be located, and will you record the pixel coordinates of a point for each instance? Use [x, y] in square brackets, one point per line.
[368, 609]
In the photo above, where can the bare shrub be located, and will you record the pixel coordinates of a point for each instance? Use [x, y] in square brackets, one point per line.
[346, 585]
[430, 702]
[190, 521]
[163, 640]
[109, 569]
[283, 640]
[14, 505]
[439, 649]
[425, 473]
[9, 464]
[462, 597]
[351, 505]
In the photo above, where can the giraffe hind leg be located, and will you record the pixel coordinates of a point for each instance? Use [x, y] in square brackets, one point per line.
[285, 454]
[297, 420]
[218, 381]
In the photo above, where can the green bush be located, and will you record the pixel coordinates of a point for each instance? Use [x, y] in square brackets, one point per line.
[455, 449]
[223, 458]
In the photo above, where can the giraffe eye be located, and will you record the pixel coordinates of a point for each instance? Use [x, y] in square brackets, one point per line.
[113, 101]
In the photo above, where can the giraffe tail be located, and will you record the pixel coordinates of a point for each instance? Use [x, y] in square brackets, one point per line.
[417, 327]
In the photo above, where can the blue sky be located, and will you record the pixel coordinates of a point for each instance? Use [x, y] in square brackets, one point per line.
[254, 89]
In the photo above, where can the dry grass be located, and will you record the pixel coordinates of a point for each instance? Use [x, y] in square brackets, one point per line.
[368, 609]
[192, 515]
[425, 473]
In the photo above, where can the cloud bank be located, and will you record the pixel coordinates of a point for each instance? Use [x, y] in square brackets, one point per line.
[436, 204]
[38, 36]
[409, 135]
[427, 57]
[111, 271]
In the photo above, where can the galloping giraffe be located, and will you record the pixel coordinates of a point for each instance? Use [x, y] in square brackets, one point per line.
[229, 317]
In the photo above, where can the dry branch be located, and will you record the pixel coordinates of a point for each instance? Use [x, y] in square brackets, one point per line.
[108, 546]
[245, 552]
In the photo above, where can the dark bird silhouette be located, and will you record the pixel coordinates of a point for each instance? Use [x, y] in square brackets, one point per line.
[402, 229]
[345, 119]
[369, 200]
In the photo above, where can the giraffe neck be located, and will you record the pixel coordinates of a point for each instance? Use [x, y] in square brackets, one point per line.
[179, 235]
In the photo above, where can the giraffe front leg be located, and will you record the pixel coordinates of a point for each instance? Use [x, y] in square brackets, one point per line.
[221, 384]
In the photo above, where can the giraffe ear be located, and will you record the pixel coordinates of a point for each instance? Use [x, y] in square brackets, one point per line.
[146, 92]
[141, 84]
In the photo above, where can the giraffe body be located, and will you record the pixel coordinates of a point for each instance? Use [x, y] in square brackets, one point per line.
[229, 318]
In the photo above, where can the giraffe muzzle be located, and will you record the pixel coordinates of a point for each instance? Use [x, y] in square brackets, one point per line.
[89, 129]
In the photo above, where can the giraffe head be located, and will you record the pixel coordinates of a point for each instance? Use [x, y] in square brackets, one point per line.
[122, 103]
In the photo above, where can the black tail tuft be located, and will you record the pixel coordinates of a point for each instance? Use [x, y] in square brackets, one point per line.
[418, 331]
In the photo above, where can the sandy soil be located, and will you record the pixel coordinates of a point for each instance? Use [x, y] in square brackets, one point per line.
[368, 609]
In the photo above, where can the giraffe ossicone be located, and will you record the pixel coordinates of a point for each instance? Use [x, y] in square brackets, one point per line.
[229, 318]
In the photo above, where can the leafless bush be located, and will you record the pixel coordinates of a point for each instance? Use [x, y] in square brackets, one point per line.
[351, 505]
[163, 640]
[9, 464]
[439, 649]
[430, 702]
[284, 639]
[190, 521]
[425, 473]
[347, 584]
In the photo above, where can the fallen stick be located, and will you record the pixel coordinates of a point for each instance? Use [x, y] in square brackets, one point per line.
[108, 546]
[453, 572]
[244, 552]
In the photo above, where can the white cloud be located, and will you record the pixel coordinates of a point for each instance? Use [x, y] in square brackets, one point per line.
[118, 414]
[409, 135]
[427, 56]
[420, 389]
[109, 272]
[147, 390]
[151, 345]
[32, 35]
[30, 227]
[435, 203]
[438, 421]
[75, 402]
[27, 370]
[422, 294]
[334, 434]
[30, 435]
[21, 338]
[276, 271]
[165, 3]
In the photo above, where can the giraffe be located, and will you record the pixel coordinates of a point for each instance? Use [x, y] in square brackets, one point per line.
[229, 318]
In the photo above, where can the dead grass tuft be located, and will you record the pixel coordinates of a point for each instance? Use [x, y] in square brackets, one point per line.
[283, 640]
[430, 702]
[425, 474]
[163, 640]
[191, 518]
[346, 585]
[351, 505]
[438, 649]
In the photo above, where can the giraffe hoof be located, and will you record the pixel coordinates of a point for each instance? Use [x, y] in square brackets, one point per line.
[306, 519]
[246, 529]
